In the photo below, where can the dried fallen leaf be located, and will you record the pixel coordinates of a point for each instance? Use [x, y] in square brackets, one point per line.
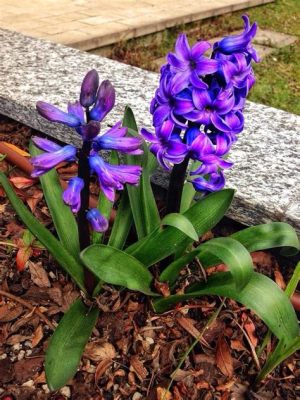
[23, 255]
[9, 312]
[102, 367]
[14, 339]
[38, 275]
[137, 366]
[96, 351]
[249, 328]
[279, 279]
[34, 199]
[21, 182]
[17, 149]
[37, 336]
[26, 368]
[163, 394]
[223, 357]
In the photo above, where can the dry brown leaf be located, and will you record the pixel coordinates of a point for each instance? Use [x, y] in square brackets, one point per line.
[14, 339]
[237, 345]
[163, 394]
[250, 329]
[101, 368]
[137, 366]
[38, 275]
[98, 351]
[26, 368]
[223, 357]
[34, 199]
[188, 325]
[21, 182]
[37, 336]
[279, 279]
[9, 312]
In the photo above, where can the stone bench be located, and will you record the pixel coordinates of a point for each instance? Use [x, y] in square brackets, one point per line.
[266, 171]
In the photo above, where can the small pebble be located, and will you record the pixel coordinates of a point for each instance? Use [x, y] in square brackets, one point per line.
[3, 356]
[91, 369]
[65, 391]
[28, 352]
[52, 275]
[21, 355]
[1, 390]
[28, 343]
[116, 387]
[29, 383]
[137, 396]
[45, 388]
[149, 340]
[16, 346]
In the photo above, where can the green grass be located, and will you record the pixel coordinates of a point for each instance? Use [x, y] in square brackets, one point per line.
[278, 75]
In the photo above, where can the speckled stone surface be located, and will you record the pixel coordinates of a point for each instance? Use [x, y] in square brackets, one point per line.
[267, 171]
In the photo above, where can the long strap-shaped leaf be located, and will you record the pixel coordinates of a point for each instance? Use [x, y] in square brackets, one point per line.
[228, 250]
[142, 201]
[58, 251]
[67, 344]
[204, 215]
[261, 237]
[267, 236]
[118, 268]
[261, 295]
[63, 218]
[122, 223]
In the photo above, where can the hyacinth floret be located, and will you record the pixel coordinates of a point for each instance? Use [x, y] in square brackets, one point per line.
[198, 107]
[85, 115]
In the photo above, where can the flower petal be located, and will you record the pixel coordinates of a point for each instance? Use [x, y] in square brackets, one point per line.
[98, 222]
[89, 88]
[54, 114]
[105, 101]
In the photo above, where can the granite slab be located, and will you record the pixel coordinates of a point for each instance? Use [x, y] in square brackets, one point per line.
[266, 172]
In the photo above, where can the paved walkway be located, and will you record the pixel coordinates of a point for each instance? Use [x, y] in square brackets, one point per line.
[88, 24]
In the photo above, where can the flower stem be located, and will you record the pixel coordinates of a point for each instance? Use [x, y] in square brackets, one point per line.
[176, 186]
[83, 225]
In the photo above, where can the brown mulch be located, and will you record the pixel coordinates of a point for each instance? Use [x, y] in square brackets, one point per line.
[133, 352]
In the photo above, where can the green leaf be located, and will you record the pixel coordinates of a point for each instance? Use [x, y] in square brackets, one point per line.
[282, 351]
[58, 251]
[204, 215]
[67, 344]
[293, 282]
[229, 251]
[261, 237]
[122, 223]
[268, 236]
[63, 218]
[142, 201]
[118, 268]
[180, 222]
[261, 295]
[187, 197]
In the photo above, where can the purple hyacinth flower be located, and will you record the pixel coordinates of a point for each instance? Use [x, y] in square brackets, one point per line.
[76, 110]
[113, 177]
[89, 131]
[189, 64]
[215, 182]
[202, 149]
[89, 88]
[46, 161]
[45, 144]
[167, 147]
[97, 221]
[114, 139]
[54, 114]
[162, 105]
[239, 43]
[105, 101]
[210, 105]
[71, 195]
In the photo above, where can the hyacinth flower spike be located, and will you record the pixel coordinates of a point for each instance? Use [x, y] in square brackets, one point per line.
[85, 115]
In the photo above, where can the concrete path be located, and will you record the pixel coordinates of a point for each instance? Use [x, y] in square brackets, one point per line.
[88, 24]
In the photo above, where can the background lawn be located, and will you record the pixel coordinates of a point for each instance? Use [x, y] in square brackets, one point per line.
[278, 75]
